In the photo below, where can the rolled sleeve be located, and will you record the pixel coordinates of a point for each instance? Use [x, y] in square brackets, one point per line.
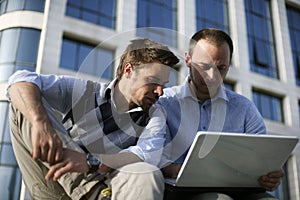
[22, 76]
[61, 92]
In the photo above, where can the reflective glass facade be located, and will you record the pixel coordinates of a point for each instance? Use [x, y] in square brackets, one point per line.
[159, 14]
[13, 5]
[260, 38]
[100, 12]
[294, 29]
[86, 58]
[18, 50]
[269, 106]
[10, 176]
[216, 19]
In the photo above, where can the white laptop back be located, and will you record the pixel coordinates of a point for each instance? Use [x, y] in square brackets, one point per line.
[233, 160]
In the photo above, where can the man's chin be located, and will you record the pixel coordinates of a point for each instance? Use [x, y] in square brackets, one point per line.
[208, 91]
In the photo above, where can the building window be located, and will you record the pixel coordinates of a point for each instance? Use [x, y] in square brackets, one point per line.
[18, 50]
[216, 19]
[157, 20]
[13, 5]
[299, 110]
[87, 58]
[10, 176]
[269, 106]
[260, 38]
[294, 28]
[100, 12]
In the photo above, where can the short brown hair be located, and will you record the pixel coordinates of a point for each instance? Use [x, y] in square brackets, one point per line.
[142, 51]
[212, 35]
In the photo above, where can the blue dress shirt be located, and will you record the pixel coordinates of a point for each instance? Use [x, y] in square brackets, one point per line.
[184, 115]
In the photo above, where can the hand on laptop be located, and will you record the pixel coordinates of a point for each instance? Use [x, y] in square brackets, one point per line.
[171, 171]
[271, 181]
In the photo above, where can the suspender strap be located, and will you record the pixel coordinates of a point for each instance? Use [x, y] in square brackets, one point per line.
[109, 123]
[86, 103]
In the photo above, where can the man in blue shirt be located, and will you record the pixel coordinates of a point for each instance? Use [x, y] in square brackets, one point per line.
[202, 103]
[102, 125]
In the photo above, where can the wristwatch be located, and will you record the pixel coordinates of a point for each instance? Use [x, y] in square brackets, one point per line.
[94, 162]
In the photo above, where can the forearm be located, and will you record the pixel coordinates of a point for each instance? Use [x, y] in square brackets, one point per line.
[26, 97]
[74, 161]
[115, 161]
[46, 144]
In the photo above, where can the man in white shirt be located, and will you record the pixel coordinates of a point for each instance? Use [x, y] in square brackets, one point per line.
[103, 123]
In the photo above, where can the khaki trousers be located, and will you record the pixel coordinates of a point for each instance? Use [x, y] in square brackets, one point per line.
[131, 182]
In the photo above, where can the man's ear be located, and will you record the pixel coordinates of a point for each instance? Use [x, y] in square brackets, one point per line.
[187, 59]
[127, 70]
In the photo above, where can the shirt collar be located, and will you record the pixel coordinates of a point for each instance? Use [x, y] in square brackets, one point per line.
[110, 89]
[108, 93]
[186, 91]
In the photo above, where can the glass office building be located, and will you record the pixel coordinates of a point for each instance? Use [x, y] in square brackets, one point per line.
[86, 38]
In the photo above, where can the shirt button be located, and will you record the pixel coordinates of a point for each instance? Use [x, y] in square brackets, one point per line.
[203, 127]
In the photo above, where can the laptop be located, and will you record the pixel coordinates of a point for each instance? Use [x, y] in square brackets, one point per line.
[232, 160]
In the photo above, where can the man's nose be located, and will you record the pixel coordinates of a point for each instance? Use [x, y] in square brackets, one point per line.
[159, 90]
[211, 74]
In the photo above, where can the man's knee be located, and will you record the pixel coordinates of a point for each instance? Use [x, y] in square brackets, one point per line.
[50, 191]
[140, 170]
[136, 181]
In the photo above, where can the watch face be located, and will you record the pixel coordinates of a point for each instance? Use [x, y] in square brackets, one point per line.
[94, 160]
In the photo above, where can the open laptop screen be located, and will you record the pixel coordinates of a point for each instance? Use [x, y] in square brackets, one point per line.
[233, 160]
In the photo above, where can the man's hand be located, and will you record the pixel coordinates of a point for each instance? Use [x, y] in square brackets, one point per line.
[271, 181]
[171, 171]
[46, 144]
[72, 161]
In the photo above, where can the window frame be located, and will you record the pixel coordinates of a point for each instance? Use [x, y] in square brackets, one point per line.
[13, 179]
[25, 5]
[164, 32]
[15, 63]
[269, 105]
[89, 59]
[294, 31]
[81, 11]
[261, 15]
[203, 19]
